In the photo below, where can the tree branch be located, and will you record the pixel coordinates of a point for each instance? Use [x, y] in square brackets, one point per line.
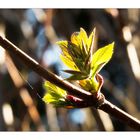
[120, 114]
[102, 104]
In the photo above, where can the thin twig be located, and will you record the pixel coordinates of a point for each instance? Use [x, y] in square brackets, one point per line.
[87, 96]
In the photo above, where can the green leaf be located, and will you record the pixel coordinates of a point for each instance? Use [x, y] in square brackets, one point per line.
[76, 53]
[50, 99]
[73, 72]
[64, 47]
[54, 95]
[76, 75]
[100, 58]
[69, 63]
[90, 41]
[90, 46]
[79, 38]
[79, 76]
[89, 85]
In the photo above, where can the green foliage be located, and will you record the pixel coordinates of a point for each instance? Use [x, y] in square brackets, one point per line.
[76, 54]
[55, 95]
[100, 58]
[84, 65]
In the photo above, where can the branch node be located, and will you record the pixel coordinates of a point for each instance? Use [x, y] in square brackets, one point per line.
[100, 101]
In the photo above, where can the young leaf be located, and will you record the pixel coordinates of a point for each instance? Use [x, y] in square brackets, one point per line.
[90, 39]
[78, 55]
[77, 77]
[79, 38]
[73, 72]
[58, 97]
[69, 63]
[54, 95]
[89, 85]
[64, 47]
[101, 57]
[90, 44]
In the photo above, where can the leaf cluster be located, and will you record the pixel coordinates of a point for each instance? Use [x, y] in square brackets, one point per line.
[84, 65]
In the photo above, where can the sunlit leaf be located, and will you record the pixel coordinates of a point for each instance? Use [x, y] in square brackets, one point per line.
[69, 63]
[64, 47]
[78, 38]
[74, 51]
[75, 39]
[73, 72]
[101, 57]
[54, 95]
[91, 40]
[83, 35]
[90, 46]
[76, 75]
[84, 66]
[79, 76]
[89, 85]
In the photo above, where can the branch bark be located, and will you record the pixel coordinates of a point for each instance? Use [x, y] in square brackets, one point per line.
[120, 114]
[73, 90]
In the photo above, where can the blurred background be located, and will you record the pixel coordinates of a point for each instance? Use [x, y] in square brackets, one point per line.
[35, 31]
